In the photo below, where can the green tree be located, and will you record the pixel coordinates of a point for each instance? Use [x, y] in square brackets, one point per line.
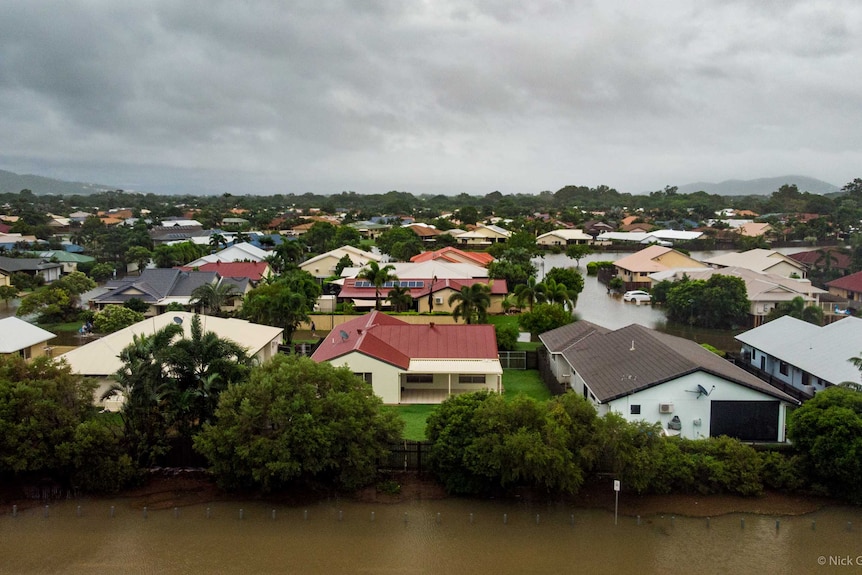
[320, 237]
[143, 382]
[471, 303]
[559, 293]
[400, 298]
[400, 243]
[530, 293]
[828, 431]
[797, 308]
[569, 277]
[140, 256]
[41, 405]
[377, 276]
[101, 272]
[212, 296]
[578, 251]
[721, 302]
[201, 367]
[545, 317]
[481, 443]
[298, 421]
[285, 302]
[114, 318]
[57, 302]
[7, 293]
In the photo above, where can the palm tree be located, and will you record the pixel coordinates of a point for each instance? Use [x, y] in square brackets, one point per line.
[216, 241]
[472, 303]
[400, 298]
[529, 293]
[554, 292]
[377, 276]
[212, 296]
[201, 366]
[143, 383]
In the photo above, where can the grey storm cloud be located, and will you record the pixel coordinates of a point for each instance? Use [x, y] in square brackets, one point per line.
[436, 96]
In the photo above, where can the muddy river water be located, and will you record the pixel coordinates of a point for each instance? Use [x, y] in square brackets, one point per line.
[437, 536]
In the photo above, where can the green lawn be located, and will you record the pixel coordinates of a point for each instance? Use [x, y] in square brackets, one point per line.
[73, 326]
[515, 383]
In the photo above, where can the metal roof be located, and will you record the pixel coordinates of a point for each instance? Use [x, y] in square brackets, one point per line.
[16, 334]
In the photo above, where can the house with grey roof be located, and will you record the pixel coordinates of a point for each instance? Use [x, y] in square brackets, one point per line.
[643, 374]
[161, 287]
[803, 355]
[31, 266]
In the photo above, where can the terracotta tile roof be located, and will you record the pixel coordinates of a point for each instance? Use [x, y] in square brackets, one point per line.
[840, 261]
[455, 255]
[393, 341]
[853, 282]
[254, 271]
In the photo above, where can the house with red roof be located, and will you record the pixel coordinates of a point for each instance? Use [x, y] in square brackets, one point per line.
[415, 363]
[254, 271]
[454, 255]
[849, 288]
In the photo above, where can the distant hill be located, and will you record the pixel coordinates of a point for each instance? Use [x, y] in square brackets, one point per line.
[760, 186]
[39, 185]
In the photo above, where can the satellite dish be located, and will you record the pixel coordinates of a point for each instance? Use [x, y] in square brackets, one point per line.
[344, 335]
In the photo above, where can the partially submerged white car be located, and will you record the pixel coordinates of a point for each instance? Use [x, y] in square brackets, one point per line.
[638, 296]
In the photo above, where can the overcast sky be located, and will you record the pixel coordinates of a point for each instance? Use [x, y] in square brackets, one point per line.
[429, 96]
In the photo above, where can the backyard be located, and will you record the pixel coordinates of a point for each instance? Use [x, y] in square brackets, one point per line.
[515, 382]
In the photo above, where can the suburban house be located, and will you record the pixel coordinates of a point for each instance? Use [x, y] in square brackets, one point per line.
[69, 261]
[660, 237]
[254, 272]
[484, 235]
[803, 355]
[407, 363]
[435, 296]
[456, 256]
[169, 233]
[563, 237]
[827, 258]
[425, 232]
[754, 229]
[848, 288]
[25, 339]
[636, 268]
[241, 252]
[643, 374]
[100, 358]
[369, 230]
[160, 287]
[417, 277]
[31, 266]
[760, 260]
[765, 291]
[323, 266]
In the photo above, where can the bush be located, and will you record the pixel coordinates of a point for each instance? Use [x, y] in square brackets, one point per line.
[507, 337]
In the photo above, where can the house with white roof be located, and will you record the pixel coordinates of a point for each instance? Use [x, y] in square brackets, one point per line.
[564, 237]
[18, 337]
[765, 291]
[760, 260]
[241, 252]
[323, 266]
[636, 268]
[484, 235]
[415, 363]
[803, 355]
[661, 237]
[100, 358]
[646, 375]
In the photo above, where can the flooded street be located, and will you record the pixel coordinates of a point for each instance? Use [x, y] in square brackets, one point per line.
[445, 536]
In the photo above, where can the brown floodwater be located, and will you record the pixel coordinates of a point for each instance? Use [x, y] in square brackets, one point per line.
[440, 536]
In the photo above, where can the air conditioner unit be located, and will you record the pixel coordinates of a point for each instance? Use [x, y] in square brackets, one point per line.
[438, 300]
[665, 408]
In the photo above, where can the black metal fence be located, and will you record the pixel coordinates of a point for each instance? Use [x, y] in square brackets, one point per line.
[405, 456]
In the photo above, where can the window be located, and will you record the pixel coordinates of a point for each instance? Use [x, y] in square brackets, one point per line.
[419, 378]
[365, 376]
[471, 378]
[782, 367]
[635, 409]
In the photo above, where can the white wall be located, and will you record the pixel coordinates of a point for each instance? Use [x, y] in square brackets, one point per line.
[687, 405]
[385, 379]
